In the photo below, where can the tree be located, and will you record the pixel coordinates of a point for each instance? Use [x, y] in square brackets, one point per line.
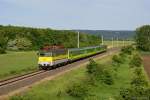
[143, 37]
[23, 43]
[3, 42]
[39, 37]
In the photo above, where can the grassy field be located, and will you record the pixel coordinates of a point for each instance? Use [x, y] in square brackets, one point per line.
[55, 89]
[15, 63]
[117, 43]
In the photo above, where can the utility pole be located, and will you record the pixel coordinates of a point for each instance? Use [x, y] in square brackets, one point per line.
[123, 43]
[117, 42]
[78, 40]
[112, 42]
[102, 40]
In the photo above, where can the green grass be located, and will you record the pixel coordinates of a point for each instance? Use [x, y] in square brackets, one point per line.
[117, 43]
[55, 89]
[15, 63]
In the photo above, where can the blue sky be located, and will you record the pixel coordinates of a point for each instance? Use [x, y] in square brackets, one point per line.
[76, 14]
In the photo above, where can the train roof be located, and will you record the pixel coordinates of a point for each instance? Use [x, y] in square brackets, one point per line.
[84, 48]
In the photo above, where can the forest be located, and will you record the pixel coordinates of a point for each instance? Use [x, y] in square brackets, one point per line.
[28, 38]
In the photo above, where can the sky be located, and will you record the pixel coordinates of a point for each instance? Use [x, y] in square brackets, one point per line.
[76, 14]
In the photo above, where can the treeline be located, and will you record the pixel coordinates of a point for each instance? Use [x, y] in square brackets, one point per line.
[26, 38]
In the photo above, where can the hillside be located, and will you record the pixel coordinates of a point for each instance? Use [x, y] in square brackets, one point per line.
[108, 34]
[28, 38]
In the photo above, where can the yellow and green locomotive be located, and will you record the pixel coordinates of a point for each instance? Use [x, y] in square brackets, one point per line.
[52, 57]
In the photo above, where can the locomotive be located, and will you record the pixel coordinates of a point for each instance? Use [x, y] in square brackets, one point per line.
[53, 56]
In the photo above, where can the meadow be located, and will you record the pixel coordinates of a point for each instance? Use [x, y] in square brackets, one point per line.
[15, 63]
[55, 89]
[117, 43]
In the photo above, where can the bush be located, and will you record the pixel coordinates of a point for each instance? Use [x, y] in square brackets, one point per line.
[92, 66]
[99, 73]
[107, 77]
[136, 61]
[139, 89]
[78, 90]
[117, 61]
[139, 93]
[139, 79]
[127, 50]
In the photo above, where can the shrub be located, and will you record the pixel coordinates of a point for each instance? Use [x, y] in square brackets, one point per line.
[99, 73]
[92, 66]
[77, 90]
[139, 89]
[139, 79]
[136, 61]
[117, 61]
[127, 50]
[139, 93]
[107, 77]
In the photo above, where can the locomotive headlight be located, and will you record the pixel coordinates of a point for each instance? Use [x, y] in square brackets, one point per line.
[44, 64]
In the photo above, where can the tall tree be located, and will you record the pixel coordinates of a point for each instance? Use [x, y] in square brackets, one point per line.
[143, 37]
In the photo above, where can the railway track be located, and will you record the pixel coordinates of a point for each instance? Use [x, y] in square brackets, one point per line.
[21, 77]
[15, 83]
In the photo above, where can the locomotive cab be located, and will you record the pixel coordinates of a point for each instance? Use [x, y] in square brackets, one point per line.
[45, 60]
[51, 56]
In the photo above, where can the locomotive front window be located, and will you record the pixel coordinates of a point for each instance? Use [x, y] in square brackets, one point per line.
[45, 54]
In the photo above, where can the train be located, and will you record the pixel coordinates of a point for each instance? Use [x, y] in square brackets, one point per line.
[50, 57]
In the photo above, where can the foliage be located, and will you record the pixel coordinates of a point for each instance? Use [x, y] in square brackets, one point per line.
[136, 61]
[78, 90]
[139, 79]
[140, 93]
[23, 43]
[127, 49]
[139, 88]
[40, 37]
[3, 42]
[100, 73]
[143, 37]
[50, 89]
[91, 67]
[117, 60]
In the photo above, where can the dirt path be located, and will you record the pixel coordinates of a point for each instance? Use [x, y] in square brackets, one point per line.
[146, 62]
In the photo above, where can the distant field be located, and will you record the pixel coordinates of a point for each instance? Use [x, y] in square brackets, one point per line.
[56, 88]
[15, 63]
[117, 43]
